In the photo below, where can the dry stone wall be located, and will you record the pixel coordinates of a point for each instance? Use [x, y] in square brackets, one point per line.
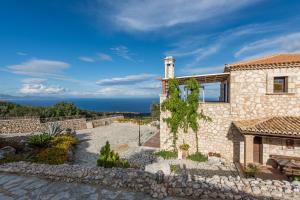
[160, 186]
[20, 125]
[105, 121]
[29, 125]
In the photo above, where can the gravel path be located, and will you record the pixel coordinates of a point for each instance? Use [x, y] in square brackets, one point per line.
[33, 188]
[123, 138]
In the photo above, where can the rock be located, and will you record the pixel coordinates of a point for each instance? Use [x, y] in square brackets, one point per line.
[155, 167]
[5, 151]
[296, 183]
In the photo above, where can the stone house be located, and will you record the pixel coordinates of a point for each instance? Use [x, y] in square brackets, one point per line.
[258, 114]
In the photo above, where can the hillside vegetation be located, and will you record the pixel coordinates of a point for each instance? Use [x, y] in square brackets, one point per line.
[62, 109]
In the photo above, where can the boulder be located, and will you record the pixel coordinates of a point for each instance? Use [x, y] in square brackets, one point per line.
[5, 151]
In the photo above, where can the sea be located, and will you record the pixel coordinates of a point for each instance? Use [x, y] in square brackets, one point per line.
[137, 105]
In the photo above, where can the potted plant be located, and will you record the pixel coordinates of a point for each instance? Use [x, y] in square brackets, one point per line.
[184, 148]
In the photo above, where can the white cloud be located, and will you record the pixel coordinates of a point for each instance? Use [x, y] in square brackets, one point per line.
[86, 59]
[33, 80]
[283, 43]
[104, 57]
[40, 68]
[123, 52]
[22, 53]
[153, 15]
[41, 89]
[126, 80]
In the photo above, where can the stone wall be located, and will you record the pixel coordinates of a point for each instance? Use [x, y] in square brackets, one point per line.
[160, 186]
[74, 124]
[251, 96]
[29, 125]
[277, 146]
[20, 125]
[105, 121]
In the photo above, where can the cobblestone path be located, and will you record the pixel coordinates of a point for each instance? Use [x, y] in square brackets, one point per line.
[33, 188]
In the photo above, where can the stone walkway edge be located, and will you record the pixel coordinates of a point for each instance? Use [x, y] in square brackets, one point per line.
[158, 185]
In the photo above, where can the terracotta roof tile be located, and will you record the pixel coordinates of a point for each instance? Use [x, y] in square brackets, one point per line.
[271, 61]
[277, 126]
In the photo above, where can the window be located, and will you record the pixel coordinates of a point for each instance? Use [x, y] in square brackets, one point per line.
[280, 84]
[289, 144]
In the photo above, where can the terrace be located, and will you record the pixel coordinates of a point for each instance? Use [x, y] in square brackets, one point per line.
[221, 79]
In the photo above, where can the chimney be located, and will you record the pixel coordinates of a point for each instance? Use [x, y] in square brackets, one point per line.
[169, 67]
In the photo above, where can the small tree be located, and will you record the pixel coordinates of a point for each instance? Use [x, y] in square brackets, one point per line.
[108, 158]
[155, 110]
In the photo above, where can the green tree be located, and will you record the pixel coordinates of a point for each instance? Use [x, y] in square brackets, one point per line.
[155, 110]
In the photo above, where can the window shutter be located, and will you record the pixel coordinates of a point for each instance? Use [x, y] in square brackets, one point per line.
[292, 84]
[270, 82]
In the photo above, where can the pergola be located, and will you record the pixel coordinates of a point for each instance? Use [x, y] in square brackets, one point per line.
[205, 78]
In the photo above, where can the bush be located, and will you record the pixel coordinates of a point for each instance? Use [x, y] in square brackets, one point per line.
[57, 152]
[174, 169]
[108, 158]
[184, 147]
[199, 157]
[167, 154]
[251, 170]
[40, 141]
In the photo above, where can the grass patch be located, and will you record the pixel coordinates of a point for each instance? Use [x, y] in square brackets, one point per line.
[198, 157]
[174, 169]
[167, 154]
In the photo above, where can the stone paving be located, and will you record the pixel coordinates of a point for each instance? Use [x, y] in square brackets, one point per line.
[123, 138]
[33, 188]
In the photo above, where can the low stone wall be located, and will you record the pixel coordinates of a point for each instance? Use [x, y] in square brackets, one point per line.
[20, 125]
[105, 121]
[29, 125]
[74, 124]
[192, 187]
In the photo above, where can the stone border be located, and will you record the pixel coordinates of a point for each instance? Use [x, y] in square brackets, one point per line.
[160, 186]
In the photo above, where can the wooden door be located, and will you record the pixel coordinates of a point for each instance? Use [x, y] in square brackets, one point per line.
[257, 150]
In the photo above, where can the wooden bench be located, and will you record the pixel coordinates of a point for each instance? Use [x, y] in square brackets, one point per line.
[289, 165]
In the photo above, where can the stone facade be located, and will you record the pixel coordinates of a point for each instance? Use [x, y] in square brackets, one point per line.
[250, 96]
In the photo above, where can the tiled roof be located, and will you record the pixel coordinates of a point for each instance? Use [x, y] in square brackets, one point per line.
[276, 126]
[267, 62]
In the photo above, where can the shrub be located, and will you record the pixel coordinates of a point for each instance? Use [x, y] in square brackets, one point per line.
[40, 141]
[167, 154]
[53, 129]
[199, 157]
[57, 152]
[174, 169]
[109, 158]
[251, 170]
[184, 147]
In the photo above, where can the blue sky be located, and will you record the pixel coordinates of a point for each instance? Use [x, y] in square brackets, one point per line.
[101, 48]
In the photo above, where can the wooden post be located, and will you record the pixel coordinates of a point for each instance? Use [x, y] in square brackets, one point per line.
[248, 149]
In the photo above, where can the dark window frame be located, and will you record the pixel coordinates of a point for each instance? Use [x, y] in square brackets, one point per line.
[290, 144]
[282, 81]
